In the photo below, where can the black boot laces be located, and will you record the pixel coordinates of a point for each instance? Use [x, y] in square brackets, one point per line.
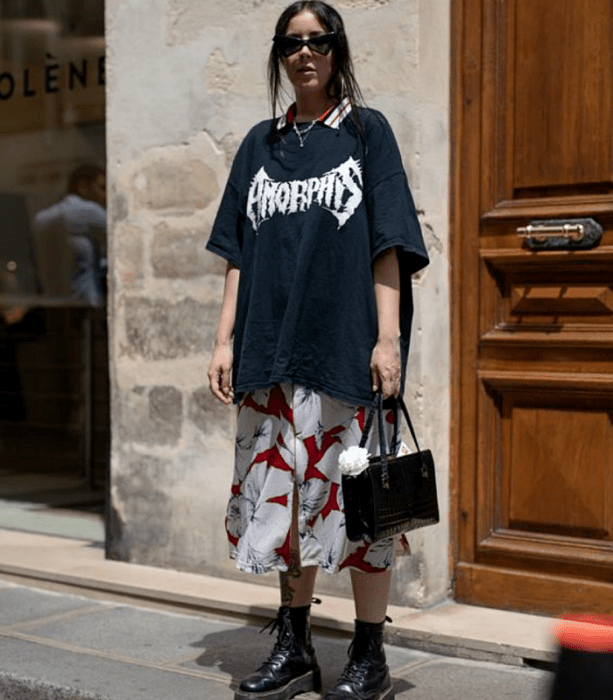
[356, 669]
[284, 640]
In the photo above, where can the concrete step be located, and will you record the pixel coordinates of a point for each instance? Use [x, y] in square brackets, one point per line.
[465, 631]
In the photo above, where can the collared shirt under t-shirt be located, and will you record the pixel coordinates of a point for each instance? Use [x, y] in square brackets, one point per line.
[304, 225]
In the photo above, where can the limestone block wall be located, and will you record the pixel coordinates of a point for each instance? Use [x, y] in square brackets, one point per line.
[185, 81]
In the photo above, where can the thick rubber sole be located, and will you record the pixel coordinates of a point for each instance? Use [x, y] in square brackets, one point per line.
[387, 694]
[303, 684]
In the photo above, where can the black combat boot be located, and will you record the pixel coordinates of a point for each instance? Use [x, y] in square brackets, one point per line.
[366, 676]
[291, 667]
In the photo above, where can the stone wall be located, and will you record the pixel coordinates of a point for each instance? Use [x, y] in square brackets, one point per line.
[186, 80]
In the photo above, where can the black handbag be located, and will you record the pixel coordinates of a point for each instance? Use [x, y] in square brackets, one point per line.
[393, 494]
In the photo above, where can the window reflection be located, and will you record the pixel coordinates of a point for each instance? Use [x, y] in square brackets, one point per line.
[53, 362]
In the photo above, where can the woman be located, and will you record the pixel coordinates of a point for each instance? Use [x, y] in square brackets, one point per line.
[320, 234]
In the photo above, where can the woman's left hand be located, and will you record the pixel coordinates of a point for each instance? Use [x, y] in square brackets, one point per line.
[385, 367]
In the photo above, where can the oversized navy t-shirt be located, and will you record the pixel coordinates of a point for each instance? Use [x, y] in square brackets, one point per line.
[304, 226]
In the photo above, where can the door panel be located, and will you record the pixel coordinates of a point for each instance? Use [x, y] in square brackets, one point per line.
[533, 330]
[562, 92]
[537, 303]
[562, 496]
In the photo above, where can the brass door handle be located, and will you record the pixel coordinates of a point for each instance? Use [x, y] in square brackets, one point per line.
[540, 232]
[561, 234]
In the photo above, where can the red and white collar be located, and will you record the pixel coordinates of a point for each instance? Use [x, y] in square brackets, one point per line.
[332, 117]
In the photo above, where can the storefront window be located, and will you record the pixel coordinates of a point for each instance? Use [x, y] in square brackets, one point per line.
[53, 361]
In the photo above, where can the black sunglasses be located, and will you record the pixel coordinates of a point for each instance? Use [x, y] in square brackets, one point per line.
[288, 45]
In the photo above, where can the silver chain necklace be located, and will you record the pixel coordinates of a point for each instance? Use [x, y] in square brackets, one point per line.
[302, 135]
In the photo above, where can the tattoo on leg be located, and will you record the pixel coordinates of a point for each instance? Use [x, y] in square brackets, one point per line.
[293, 571]
[287, 592]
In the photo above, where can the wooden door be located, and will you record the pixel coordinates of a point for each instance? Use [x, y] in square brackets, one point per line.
[532, 445]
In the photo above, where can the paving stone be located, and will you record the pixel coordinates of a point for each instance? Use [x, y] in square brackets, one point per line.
[74, 675]
[473, 680]
[20, 604]
[134, 633]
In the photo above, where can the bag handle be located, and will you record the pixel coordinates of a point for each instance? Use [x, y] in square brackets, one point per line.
[378, 408]
[400, 402]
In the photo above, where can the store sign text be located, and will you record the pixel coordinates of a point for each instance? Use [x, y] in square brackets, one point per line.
[52, 77]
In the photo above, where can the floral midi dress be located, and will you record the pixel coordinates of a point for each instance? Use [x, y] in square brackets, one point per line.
[288, 442]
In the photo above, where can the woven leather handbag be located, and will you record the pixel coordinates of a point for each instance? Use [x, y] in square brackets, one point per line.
[393, 494]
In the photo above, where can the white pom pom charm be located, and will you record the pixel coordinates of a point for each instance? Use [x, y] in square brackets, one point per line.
[353, 460]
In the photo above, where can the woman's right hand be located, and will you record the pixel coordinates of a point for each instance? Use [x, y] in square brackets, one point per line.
[220, 372]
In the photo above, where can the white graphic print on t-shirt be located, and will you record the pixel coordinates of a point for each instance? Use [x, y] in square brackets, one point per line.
[339, 191]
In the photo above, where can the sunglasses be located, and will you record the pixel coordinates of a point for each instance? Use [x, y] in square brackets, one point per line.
[289, 45]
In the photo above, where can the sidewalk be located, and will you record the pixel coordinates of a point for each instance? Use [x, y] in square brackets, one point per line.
[122, 631]
[67, 647]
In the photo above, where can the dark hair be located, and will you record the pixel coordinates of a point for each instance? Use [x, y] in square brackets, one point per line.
[84, 175]
[342, 82]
